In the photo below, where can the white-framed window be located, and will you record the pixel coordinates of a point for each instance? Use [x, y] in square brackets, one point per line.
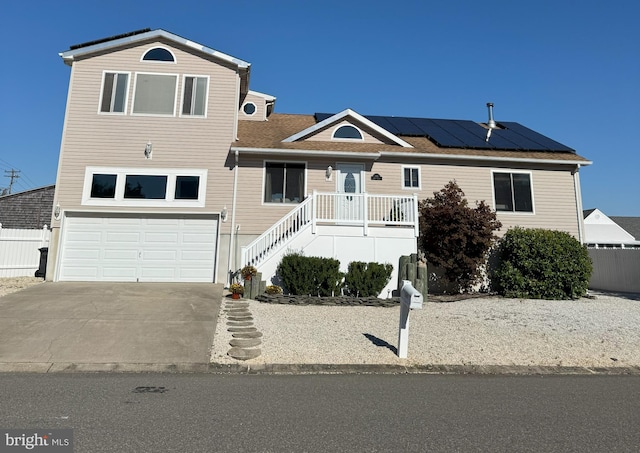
[410, 177]
[155, 94]
[347, 132]
[159, 54]
[284, 182]
[512, 191]
[113, 97]
[249, 108]
[194, 95]
[114, 186]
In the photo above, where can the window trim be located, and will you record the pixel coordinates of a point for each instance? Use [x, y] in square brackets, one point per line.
[206, 96]
[338, 127]
[264, 181]
[254, 106]
[122, 172]
[512, 172]
[126, 96]
[402, 180]
[175, 95]
[142, 60]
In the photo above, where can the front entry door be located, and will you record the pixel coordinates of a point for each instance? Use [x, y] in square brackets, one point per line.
[350, 188]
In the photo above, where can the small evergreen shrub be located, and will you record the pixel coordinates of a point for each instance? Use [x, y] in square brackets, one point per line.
[310, 275]
[367, 279]
[541, 264]
[273, 289]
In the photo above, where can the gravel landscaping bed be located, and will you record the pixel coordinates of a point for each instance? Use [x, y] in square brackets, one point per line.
[591, 332]
[10, 285]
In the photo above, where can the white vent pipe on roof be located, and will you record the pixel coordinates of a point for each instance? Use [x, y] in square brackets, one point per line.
[491, 123]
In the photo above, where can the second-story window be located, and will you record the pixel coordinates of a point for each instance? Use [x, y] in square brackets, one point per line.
[114, 92]
[155, 94]
[194, 100]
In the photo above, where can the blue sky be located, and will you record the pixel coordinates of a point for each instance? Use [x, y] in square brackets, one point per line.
[567, 69]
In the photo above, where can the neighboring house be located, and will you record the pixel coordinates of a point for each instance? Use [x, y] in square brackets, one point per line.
[30, 210]
[171, 169]
[602, 231]
[24, 231]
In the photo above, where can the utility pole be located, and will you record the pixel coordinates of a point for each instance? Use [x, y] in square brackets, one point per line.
[13, 174]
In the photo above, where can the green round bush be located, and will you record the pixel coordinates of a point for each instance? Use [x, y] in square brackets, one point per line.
[541, 264]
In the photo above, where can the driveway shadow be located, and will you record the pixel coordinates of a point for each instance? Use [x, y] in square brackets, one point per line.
[380, 343]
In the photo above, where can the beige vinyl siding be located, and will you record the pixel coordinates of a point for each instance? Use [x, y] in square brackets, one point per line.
[369, 136]
[93, 139]
[553, 191]
[261, 108]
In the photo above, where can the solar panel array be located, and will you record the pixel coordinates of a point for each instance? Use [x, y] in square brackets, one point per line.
[465, 134]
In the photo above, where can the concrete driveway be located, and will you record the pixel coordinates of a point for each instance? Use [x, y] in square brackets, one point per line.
[109, 326]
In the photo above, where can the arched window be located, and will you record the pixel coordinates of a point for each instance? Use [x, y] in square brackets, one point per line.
[158, 54]
[348, 132]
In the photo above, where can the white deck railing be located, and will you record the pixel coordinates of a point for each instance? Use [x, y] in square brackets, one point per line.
[360, 210]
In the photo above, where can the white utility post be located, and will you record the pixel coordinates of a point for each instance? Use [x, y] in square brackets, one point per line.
[410, 299]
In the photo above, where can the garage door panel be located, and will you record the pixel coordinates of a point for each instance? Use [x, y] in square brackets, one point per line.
[120, 273]
[163, 238]
[147, 248]
[84, 236]
[198, 238]
[160, 255]
[122, 237]
[125, 255]
[84, 254]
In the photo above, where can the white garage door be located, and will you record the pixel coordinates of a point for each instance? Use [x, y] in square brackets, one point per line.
[130, 248]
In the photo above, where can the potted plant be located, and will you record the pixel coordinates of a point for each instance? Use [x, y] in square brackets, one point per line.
[237, 290]
[248, 272]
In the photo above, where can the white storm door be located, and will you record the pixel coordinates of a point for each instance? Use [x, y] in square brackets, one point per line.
[350, 203]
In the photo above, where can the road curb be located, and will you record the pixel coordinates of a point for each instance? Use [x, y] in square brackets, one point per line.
[296, 369]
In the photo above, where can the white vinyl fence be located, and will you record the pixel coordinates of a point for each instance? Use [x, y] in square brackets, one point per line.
[19, 251]
[615, 270]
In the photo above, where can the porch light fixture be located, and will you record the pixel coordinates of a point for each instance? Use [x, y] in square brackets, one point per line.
[56, 212]
[148, 149]
[223, 214]
[328, 173]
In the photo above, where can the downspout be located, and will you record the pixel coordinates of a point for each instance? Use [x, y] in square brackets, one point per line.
[233, 217]
[576, 188]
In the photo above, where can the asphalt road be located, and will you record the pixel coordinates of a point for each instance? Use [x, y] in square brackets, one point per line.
[336, 413]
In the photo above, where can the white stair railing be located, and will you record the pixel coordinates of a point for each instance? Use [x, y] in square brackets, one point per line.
[278, 235]
[333, 208]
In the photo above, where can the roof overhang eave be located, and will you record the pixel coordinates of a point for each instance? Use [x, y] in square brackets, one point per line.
[69, 56]
[470, 157]
[305, 152]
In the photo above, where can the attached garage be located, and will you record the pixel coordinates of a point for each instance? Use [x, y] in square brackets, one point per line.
[138, 248]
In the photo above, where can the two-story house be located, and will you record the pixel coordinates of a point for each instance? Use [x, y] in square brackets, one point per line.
[171, 169]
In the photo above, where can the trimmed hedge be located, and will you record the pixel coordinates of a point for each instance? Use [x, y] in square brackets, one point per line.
[541, 264]
[310, 275]
[367, 279]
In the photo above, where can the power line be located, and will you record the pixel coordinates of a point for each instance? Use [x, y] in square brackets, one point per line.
[13, 175]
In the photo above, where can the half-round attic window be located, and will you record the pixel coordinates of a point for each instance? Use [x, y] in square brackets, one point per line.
[347, 131]
[158, 54]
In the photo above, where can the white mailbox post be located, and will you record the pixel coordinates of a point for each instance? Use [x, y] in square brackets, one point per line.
[410, 299]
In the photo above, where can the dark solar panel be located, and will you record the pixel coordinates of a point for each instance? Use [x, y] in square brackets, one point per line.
[406, 126]
[436, 133]
[385, 123]
[111, 38]
[465, 134]
[533, 136]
